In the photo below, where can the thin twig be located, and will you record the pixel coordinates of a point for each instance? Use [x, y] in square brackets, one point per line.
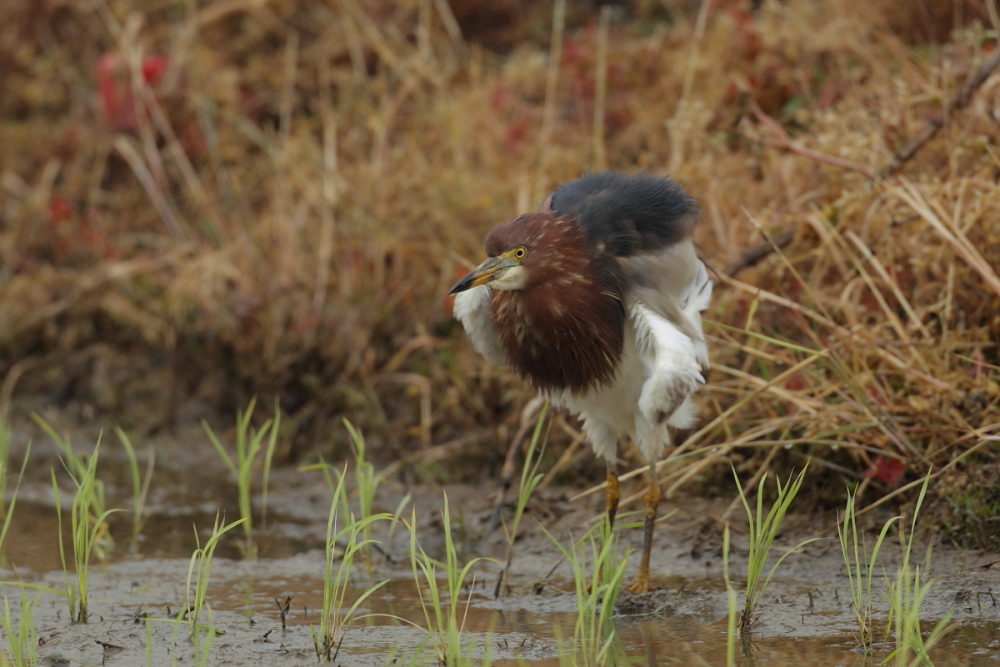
[758, 252]
[958, 101]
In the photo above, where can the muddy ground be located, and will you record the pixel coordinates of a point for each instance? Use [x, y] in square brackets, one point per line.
[806, 613]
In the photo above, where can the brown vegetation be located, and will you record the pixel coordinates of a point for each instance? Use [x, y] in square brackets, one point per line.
[205, 202]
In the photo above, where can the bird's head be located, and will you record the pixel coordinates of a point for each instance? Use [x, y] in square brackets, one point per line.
[528, 250]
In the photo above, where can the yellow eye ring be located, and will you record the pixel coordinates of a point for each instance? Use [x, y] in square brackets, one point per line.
[519, 253]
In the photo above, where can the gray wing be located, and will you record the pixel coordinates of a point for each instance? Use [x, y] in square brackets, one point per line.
[645, 222]
[472, 309]
[626, 215]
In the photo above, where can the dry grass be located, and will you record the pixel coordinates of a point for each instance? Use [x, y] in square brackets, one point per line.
[284, 204]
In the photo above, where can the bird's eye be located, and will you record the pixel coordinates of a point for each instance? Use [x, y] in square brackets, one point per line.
[519, 253]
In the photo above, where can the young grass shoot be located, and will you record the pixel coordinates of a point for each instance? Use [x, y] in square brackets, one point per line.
[8, 512]
[444, 610]
[762, 530]
[860, 566]
[367, 483]
[596, 588]
[88, 527]
[22, 642]
[140, 484]
[249, 443]
[350, 541]
[4, 464]
[731, 602]
[196, 589]
[906, 595]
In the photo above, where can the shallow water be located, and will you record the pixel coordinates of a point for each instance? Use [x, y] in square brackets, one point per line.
[806, 617]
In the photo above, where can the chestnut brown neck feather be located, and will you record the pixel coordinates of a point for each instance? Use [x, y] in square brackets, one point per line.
[565, 329]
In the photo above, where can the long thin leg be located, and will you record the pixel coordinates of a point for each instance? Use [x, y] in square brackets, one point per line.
[652, 497]
[613, 492]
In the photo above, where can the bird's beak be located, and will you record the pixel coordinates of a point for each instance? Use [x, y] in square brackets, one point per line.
[486, 272]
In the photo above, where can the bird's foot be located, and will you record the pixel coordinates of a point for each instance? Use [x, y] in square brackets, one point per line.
[641, 584]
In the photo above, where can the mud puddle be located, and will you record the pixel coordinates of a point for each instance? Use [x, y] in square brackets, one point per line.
[805, 614]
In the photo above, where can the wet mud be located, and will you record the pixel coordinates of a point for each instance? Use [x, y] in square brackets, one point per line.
[805, 615]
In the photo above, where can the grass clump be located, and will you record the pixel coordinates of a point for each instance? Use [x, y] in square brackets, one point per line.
[196, 590]
[860, 565]
[140, 484]
[22, 642]
[906, 592]
[82, 469]
[347, 541]
[366, 482]
[444, 612]
[88, 526]
[763, 529]
[249, 443]
[596, 588]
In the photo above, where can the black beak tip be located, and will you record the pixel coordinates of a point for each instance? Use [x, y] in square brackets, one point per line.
[462, 285]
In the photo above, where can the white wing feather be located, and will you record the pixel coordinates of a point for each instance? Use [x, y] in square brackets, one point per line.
[695, 299]
[673, 360]
[472, 308]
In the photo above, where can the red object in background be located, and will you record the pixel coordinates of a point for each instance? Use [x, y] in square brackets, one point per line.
[73, 233]
[500, 97]
[153, 68]
[59, 209]
[515, 134]
[887, 469]
[114, 87]
[795, 383]
[572, 52]
[60, 213]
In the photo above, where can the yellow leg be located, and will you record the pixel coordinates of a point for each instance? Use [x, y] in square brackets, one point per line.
[613, 492]
[652, 497]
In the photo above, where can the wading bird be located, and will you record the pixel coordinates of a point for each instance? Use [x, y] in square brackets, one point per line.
[596, 300]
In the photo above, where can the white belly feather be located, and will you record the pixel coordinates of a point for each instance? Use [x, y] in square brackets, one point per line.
[652, 390]
[660, 370]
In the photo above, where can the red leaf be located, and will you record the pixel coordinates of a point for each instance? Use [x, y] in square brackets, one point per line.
[115, 90]
[59, 209]
[516, 133]
[153, 68]
[887, 469]
[108, 88]
[795, 383]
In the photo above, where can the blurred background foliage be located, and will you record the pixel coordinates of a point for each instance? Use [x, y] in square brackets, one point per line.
[205, 201]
